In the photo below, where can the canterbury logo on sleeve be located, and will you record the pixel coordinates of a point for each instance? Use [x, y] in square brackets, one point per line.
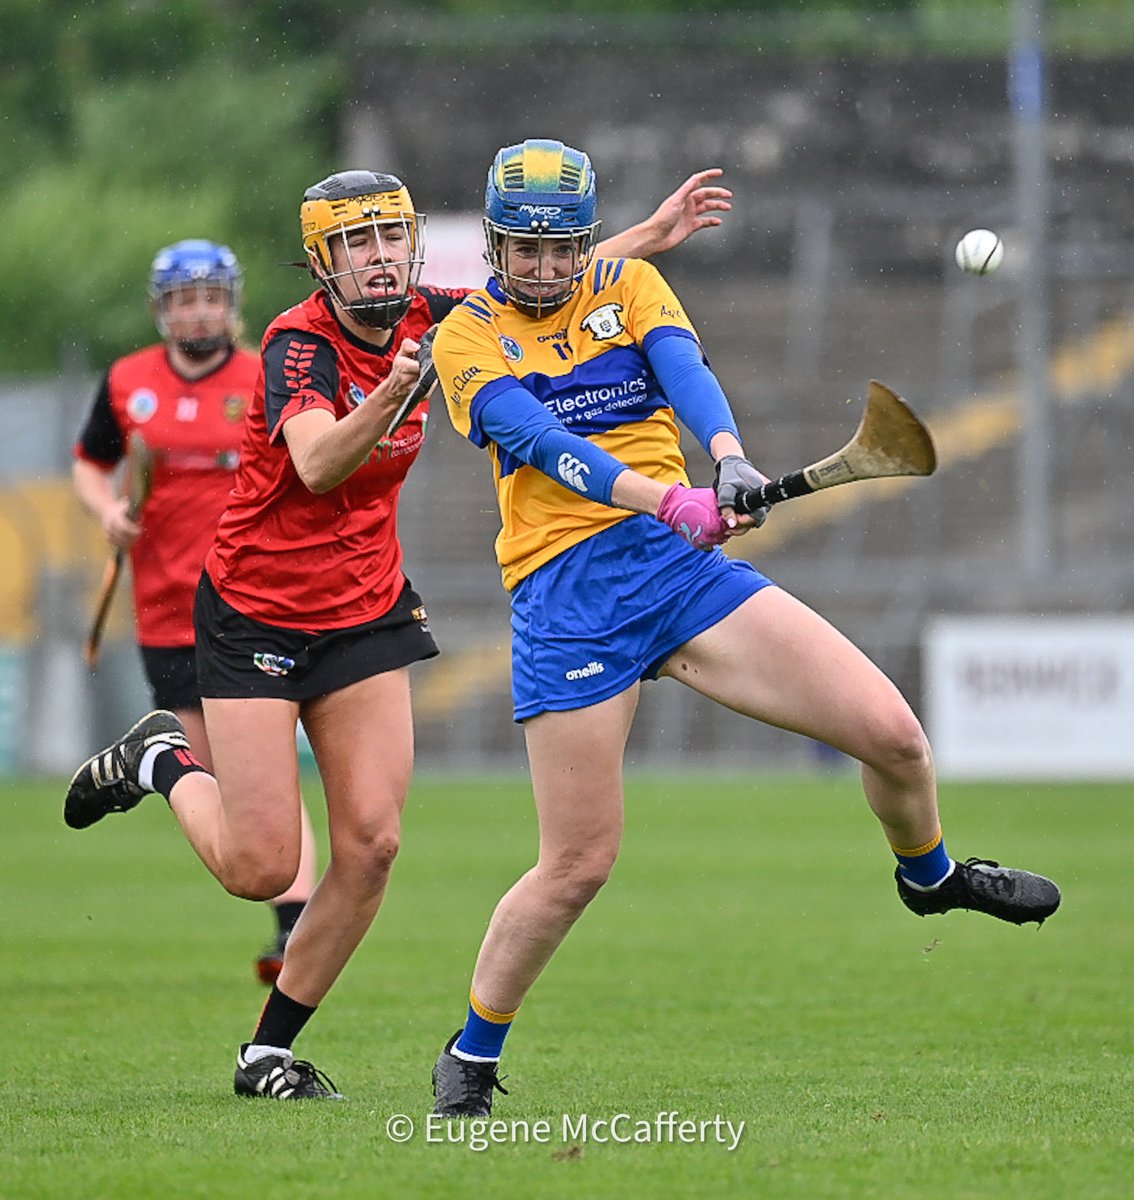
[573, 472]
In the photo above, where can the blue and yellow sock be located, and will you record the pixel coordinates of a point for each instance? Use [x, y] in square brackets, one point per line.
[482, 1038]
[924, 866]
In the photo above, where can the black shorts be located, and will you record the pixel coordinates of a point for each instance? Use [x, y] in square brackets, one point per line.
[171, 672]
[240, 658]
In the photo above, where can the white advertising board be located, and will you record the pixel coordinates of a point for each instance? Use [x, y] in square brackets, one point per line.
[1030, 697]
[454, 251]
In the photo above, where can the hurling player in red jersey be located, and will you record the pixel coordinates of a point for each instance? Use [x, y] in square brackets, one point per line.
[187, 396]
[303, 609]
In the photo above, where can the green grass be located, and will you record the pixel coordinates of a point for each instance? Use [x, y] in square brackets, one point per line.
[748, 959]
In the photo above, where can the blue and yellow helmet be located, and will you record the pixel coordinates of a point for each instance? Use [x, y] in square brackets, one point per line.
[539, 189]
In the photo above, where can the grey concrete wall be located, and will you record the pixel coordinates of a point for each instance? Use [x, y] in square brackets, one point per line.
[927, 141]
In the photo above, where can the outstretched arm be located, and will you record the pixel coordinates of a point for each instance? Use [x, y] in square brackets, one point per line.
[514, 419]
[693, 206]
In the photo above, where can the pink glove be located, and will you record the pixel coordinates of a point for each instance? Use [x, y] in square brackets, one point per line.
[693, 513]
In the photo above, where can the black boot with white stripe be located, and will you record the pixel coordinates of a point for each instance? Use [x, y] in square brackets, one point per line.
[108, 781]
[282, 1077]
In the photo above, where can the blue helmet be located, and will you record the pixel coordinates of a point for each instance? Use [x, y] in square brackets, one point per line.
[544, 190]
[196, 263]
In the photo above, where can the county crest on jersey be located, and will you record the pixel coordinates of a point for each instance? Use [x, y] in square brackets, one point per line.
[587, 365]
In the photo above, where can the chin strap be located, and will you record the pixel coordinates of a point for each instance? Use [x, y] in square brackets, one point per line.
[197, 348]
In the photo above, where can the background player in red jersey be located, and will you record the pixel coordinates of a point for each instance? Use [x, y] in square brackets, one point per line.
[303, 610]
[187, 396]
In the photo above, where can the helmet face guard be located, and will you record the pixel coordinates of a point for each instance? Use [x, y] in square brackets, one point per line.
[356, 209]
[202, 267]
[539, 223]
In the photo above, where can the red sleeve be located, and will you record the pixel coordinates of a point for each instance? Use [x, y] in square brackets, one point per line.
[442, 301]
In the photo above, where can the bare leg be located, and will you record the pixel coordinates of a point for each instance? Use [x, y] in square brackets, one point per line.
[778, 661]
[304, 883]
[194, 721]
[300, 891]
[576, 764]
[250, 840]
[248, 835]
[366, 765]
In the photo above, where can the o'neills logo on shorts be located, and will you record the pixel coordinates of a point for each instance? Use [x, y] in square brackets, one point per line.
[592, 668]
[273, 664]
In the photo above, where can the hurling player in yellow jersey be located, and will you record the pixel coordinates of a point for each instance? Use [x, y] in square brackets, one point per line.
[572, 372]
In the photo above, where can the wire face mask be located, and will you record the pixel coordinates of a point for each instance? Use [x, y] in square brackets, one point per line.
[378, 265]
[365, 244]
[539, 223]
[539, 272]
[202, 275]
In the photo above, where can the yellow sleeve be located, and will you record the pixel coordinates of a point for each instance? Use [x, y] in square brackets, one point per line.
[651, 304]
[468, 358]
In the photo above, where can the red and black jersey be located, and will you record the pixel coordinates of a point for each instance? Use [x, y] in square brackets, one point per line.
[194, 428]
[284, 555]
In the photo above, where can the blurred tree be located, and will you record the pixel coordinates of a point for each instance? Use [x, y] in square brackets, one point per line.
[645, 8]
[127, 124]
[131, 125]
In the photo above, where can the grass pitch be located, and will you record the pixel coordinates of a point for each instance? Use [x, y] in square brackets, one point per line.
[749, 961]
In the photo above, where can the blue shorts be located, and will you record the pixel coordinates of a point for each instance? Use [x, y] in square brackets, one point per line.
[610, 611]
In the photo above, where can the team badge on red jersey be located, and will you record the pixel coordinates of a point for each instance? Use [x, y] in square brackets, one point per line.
[142, 405]
[234, 408]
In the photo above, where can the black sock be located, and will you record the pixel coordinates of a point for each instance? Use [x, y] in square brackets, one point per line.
[171, 766]
[281, 1021]
[287, 914]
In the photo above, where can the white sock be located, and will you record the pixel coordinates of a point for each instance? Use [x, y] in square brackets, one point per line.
[918, 887]
[464, 1056]
[254, 1053]
[146, 766]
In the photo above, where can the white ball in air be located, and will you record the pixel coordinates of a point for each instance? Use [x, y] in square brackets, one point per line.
[979, 252]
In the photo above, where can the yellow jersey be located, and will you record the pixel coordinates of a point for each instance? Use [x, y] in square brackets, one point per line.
[586, 363]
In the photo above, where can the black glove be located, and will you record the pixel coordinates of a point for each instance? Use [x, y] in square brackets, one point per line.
[736, 475]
